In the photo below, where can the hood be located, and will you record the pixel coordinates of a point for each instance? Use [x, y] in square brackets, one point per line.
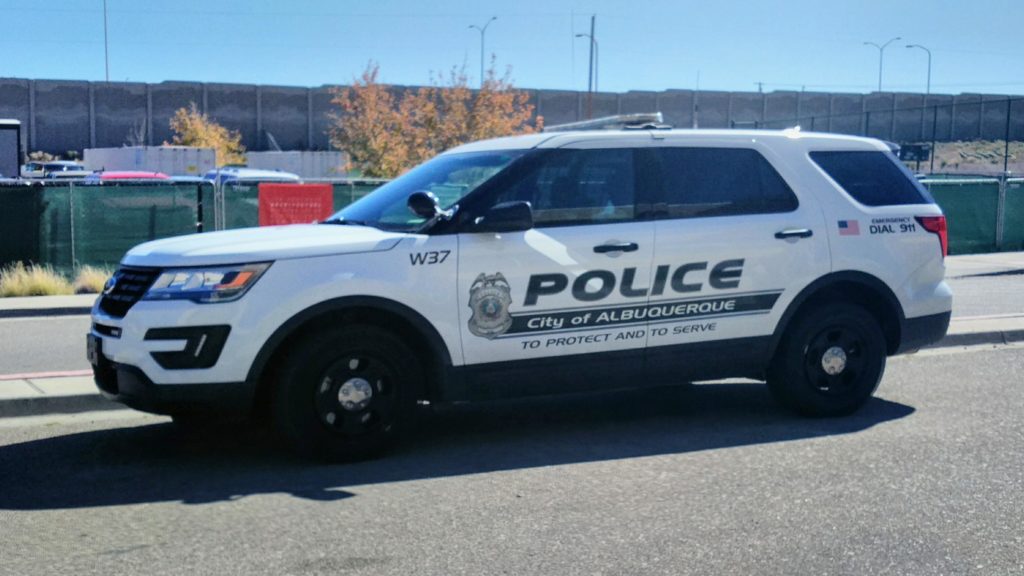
[260, 244]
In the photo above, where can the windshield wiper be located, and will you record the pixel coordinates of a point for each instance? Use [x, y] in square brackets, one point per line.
[345, 222]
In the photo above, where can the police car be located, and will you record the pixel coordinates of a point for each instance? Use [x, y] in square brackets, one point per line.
[541, 264]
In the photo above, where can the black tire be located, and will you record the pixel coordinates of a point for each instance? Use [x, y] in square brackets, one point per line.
[307, 406]
[798, 377]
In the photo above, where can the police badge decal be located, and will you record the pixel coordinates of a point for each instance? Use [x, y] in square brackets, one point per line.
[489, 299]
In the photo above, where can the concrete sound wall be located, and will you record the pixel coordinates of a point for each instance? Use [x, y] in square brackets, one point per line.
[62, 115]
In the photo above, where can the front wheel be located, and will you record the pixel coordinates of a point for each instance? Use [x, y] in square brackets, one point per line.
[346, 393]
[829, 362]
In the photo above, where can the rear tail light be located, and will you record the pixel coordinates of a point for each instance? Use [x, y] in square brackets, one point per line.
[936, 225]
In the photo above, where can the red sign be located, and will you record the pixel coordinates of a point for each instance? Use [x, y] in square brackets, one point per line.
[294, 203]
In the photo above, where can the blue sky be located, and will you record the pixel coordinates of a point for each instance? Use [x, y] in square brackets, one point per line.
[644, 44]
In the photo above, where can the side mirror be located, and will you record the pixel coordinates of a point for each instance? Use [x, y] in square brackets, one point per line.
[424, 204]
[506, 217]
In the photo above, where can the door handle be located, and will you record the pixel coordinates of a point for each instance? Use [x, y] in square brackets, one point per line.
[617, 247]
[794, 233]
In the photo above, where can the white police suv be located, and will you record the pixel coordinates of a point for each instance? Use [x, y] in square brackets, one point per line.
[541, 264]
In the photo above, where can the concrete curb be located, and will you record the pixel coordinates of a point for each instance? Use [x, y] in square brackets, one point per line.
[44, 405]
[38, 306]
[40, 312]
[977, 338]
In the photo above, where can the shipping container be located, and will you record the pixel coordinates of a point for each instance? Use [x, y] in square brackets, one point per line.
[173, 160]
[307, 164]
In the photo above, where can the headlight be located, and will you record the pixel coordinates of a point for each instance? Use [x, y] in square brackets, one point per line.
[206, 285]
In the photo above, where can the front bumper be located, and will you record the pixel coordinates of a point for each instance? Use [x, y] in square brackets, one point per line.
[180, 342]
[130, 386]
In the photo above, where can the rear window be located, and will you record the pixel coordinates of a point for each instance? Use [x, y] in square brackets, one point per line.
[872, 178]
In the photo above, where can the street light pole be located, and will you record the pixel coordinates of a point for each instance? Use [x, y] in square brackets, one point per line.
[592, 72]
[928, 86]
[483, 32]
[881, 52]
[596, 56]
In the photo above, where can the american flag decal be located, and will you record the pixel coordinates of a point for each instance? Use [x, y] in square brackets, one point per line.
[849, 228]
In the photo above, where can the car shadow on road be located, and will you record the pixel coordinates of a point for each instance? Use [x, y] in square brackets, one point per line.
[157, 463]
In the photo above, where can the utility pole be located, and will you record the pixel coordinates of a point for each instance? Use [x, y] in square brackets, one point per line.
[106, 54]
[881, 53]
[483, 32]
[760, 87]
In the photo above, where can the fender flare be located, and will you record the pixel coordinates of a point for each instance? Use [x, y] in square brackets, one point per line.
[438, 349]
[864, 279]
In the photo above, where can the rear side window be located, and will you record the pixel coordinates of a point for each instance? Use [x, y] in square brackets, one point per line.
[703, 182]
[872, 178]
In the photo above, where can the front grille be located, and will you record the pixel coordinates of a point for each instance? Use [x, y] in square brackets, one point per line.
[129, 285]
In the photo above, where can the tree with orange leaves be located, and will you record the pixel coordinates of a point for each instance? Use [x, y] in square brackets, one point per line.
[387, 131]
[193, 128]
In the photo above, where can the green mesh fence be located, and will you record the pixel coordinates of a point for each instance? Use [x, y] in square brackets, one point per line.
[970, 208]
[19, 223]
[1013, 216]
[98, 224]
[110, 220]
[347, 193]
[73, 225]
[240, 205]
[208, 214]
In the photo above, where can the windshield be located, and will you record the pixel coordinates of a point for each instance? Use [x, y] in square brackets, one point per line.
[450, 177]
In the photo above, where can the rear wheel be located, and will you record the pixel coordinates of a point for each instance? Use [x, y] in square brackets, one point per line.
[346, 393]
[829, 362]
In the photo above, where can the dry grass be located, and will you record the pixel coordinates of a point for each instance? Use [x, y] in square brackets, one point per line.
[977, 157]
[90, 279]
[20, 280]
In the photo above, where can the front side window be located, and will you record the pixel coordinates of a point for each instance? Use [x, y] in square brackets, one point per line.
[449, 176]
[704, 182]
[568, 187]
[873, 178]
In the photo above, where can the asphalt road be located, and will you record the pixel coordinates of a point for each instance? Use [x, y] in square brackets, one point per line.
[988, 295]
[43, 344]
[708, 479]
